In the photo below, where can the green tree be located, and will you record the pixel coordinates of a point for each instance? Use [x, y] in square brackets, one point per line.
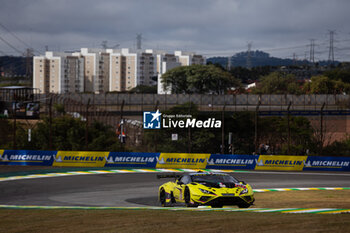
[340, 74]
[278, 83]
[324, 85]
[199, 79]
[273, 131]
[246, 75]
[242, 126]
[6, 130]
[338, 148]
[68, 133]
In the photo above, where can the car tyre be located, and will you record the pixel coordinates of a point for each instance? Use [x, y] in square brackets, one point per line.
[162, 199]
[187, 196]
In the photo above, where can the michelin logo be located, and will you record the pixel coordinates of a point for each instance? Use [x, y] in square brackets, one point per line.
[4, 158]
[230, 161]
[160, 161]
[272, 162]
[259, 162]
[129, 159]
[151, 120]
[58, 160]
[307, 164]
[326, 163]
[25, 157]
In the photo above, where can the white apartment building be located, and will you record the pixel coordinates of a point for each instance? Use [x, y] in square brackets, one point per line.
[189, 58]
[58, 73]
[100, 70]
[129, 68]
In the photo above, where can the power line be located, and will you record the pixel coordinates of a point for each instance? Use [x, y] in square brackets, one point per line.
[19, 39]
[14, 48]
[14, 35]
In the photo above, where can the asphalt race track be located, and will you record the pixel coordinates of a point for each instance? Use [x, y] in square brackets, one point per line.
[139, 189]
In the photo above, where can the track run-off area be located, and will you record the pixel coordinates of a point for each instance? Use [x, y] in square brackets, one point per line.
[137, 189]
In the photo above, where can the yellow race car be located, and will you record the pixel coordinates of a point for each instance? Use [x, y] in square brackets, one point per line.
[205, 188]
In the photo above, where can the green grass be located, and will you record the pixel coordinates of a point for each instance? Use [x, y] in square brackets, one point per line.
[166, 221]
[39, 220]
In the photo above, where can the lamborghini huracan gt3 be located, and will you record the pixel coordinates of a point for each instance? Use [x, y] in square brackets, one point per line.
[205, 188]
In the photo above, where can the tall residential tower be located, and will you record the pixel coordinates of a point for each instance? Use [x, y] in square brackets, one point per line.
[105, 70]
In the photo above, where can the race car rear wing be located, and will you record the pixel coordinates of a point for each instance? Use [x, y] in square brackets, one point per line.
[173, 175]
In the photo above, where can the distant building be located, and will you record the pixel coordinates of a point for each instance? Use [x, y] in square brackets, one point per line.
[58, 73]
[105, 70]
[129, 69]
[170, 61]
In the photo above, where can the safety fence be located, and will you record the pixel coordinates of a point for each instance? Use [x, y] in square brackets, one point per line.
[203, 99]
[173, 160]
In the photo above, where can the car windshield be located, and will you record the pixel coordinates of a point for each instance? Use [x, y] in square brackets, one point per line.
[213, 178]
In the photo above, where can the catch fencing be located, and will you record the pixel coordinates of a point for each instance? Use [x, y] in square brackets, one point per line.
[206, 102]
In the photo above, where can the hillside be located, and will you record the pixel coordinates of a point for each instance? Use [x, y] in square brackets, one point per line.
[259, 58]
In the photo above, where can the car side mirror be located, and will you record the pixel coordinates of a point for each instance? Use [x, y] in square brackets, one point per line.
[179, 182]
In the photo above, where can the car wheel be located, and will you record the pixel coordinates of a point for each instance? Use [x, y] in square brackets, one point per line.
[162, 199]
[187, 196]
[172, 198]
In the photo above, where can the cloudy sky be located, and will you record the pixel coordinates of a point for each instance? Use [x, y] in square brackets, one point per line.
[209, 27]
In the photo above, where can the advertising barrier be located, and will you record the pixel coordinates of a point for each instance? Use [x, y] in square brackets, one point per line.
[173, 160]
[80, 159]
[132, 159]
[219, 161]
[280, 163]
[182, 160]
[319, 163]
[27, 157]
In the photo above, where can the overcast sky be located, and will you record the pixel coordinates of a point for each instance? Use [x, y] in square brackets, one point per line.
[209, 27]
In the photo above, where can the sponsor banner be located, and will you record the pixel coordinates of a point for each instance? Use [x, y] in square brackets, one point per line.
[279, 162]
[182, 160]
[218, 161]
[80, 159]
[27, 157]
[319, 163]
[131, 159]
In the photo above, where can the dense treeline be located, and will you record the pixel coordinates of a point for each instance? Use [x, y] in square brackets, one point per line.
[214, 79]
[67, 133]
[279, 83]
